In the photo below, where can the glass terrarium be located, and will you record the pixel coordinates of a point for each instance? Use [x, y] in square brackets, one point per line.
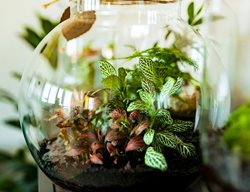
[112, 98]
[225, 132]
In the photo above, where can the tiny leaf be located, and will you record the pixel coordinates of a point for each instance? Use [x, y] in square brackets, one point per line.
[138, 129]
[167, 139]
[106, 69]
[136, 105]
[112, 82]
[146, 97]
[190, 11]
[176, 86]
[155, 159]
[122, 74]
[167, 87]
[149, 136]
[186, 149]
[164, 117]
[181, 126]
[135, 143]
[147, 68]
[148, 86]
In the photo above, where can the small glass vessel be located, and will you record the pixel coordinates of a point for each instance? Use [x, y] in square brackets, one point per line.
[113, 96]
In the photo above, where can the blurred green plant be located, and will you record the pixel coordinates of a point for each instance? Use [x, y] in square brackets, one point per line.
[237, 131]
[18, 172]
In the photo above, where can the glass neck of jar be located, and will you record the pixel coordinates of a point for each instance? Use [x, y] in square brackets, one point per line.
[79, 6]
[214, 5]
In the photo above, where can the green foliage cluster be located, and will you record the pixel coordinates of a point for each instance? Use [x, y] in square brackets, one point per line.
[134, 115]
[237, 131]
[158, 78]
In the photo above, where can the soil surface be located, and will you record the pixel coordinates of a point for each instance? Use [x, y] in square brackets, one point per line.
[74, 176]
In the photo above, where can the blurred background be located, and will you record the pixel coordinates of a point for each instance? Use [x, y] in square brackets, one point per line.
[16, 51]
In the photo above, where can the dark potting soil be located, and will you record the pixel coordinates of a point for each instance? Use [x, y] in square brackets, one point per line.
[76, 177]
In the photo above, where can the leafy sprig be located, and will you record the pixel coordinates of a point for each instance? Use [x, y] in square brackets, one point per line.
[194, 16]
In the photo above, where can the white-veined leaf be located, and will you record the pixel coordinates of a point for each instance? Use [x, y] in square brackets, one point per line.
[155, 159]
[136, 105]
[147, 68]
[176, 86]
[166, 138]
[181, 126]
[186, 149]
[167, 87]
[106, 68]
[146, 97]
[164, 117]
[148, 86]
[149, 136]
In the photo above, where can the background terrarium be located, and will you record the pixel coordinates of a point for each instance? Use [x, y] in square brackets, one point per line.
[112, 98]
[225, 128]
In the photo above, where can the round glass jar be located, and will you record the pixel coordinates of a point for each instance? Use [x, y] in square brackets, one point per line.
[112, 98]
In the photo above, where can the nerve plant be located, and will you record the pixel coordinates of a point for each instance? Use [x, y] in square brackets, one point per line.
[131, 114]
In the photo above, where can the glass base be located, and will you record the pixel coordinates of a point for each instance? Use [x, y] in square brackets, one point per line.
[45, 184]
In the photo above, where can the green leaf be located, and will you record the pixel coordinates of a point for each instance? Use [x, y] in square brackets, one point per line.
[8, 97]
[198, 22]
[13, 122]
[112, 82]
[147, 67]
[157, 146]
[106, 68]
[200, 10]
[31, 37]
[149, 136]
[16, 75]
[122, 74]
[186, 149]
[46, 24]
[176, 86]
[146, 97]
[164, 116]
[191, 13]
[166, 138]
[148, 86]
[167, 87]
[181, 126]
[155, 159]
[136, 105]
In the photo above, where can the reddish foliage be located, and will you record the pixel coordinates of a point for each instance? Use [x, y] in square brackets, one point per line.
[95, 146]
[135, 116]
[140, 128]
[112, 149]
[135, 143]
[118, 113]
[113, 135]
[96, 158]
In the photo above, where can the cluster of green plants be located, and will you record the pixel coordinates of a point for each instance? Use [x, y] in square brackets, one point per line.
[136, 109]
